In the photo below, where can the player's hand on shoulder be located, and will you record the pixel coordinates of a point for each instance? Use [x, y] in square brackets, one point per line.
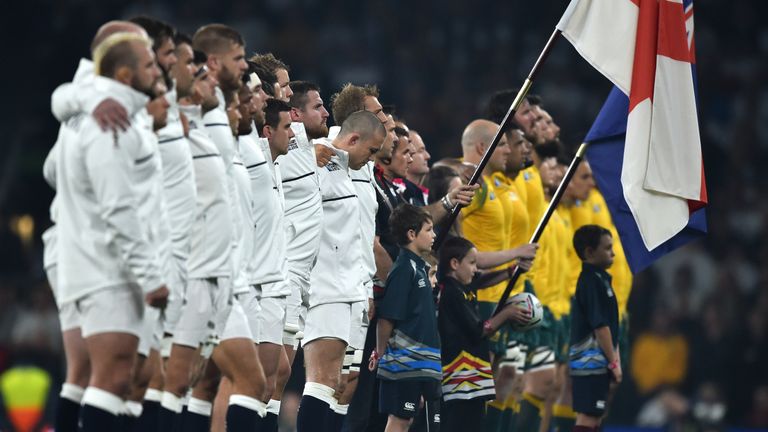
[323, 155]
[110, 115]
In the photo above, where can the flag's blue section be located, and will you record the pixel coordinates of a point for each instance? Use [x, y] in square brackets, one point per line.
[605, 155]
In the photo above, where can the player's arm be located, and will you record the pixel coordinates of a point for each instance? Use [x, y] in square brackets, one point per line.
[526, 252]
[461, 195]
[605, 341]
[382, 258]
[108, 166]
[70, 99]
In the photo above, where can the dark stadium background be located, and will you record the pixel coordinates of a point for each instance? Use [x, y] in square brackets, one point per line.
[437, 62]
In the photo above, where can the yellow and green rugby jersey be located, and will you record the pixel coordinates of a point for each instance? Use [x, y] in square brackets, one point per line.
[516, 216]
[484, 223]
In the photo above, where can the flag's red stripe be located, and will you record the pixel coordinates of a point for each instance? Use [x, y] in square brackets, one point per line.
[644, 66]
[673, 40]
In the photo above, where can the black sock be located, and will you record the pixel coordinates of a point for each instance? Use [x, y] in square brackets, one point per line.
[98, 420]
[149, 417]
[269, 423]
[67, 415]
[312, 413]
[333, 421]
[167, 420]
[193, 422]
[241, 419]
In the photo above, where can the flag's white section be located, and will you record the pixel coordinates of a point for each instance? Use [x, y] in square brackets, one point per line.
[674, 153]
[662, 154]
[604, 32]
[658, 216]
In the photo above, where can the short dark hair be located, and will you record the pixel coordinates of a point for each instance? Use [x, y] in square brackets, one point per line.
[534, 99]
[272, 111]
[270, 62]
[406, 217]
[120, 55]
[158, 31]
[267, 77]
[300, 90]
[216, 38]
[199, 57]
[453, 247]
[350, 99]
[182, 39]
[588, 236]
[401, 132]
[499, 104]
[364, 123]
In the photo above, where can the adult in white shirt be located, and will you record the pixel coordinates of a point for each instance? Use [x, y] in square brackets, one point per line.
[336, 276]
[210, 249]
[106, 263]
[235, 356]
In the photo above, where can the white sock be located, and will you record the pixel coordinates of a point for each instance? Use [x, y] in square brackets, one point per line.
[250, 403]
[72, 392]
[153, 395]
[273, 407]
[199, 406]
[103, 400]
[171, 402]
[133, 409]
[319, 391]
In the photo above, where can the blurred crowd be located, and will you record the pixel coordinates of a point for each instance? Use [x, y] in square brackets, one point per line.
[699, 317]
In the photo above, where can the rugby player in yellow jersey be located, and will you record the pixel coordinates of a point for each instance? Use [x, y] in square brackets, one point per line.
[485, 223]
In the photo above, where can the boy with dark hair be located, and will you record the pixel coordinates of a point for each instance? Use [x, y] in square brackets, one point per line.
[594, 353]
[407, 335]
[467, 376]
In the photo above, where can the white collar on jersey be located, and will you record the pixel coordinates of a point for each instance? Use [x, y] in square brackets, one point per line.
[132, 100]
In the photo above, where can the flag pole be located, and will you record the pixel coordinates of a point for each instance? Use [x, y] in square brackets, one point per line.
[503, 127]
[544, 220]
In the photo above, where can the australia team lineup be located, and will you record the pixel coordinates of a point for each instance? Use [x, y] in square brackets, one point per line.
[208, 222]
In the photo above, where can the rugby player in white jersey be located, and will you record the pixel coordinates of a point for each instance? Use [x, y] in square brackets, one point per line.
[210, 248]
[106, 262]
[335, 279]
[76, 354]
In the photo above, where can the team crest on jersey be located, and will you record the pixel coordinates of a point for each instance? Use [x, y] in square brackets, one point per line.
[422, 283]
[596, 208]
[496, 182]
[332, 166]
[526, 176]
[293, 144]
[491, 196]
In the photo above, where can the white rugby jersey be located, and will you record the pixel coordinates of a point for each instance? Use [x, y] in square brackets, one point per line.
[245, 230]
[212, 230]
[267, 261]
[178, 181]
[218, 129]
[336, 275]
[363, 181]
[298, 170]
[101, 240]
[277, 260]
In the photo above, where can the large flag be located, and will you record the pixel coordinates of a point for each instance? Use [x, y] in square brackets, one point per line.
[645, 148]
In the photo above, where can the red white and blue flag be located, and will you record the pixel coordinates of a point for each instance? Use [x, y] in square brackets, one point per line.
[645, 148]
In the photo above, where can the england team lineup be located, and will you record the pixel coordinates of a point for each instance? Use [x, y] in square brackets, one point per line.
[208, 223]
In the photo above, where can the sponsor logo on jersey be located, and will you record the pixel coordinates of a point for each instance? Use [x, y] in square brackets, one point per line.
[410, 406]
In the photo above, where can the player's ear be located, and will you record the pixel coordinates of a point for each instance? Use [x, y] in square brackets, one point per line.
[411, 235]
[124, 74]
[454, 263]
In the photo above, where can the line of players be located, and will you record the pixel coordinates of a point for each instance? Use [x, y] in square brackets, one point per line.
[225, 207]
